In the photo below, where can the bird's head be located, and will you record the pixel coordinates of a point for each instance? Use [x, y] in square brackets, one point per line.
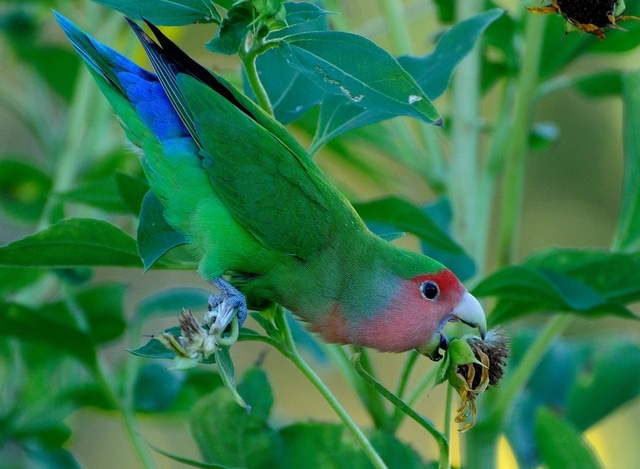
[417, 312]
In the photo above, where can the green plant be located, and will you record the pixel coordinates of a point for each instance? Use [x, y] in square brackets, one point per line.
[82, 204]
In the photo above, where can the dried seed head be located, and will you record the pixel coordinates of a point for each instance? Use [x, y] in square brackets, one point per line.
[198, 341]
[590, 16]
[471, 365]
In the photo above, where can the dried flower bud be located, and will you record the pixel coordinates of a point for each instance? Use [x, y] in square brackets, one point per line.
[471, 365]
[590, 16]
[199, 341]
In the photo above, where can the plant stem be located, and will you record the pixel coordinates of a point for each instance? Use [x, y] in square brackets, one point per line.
[416, 393]
[441, 440]
[518, 146]
[291, 352]
[465, 134]
[428, 161]
[447, 418]
[372, 399]
[393, 14]
[253, 77]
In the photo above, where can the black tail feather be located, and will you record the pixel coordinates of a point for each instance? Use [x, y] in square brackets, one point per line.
[169, 61]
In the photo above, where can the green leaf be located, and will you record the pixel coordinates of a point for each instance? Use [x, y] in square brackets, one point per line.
[446, 10]
[403, 215]
[166, 12]
[500, 51]
[458, 261]
[233, 30]
[33, 326]
[228, 374]
[607, 381]
[587, 281]
[627, 236]
[102, 194]
[329, 445]
[13, 279]
[23, 189]
[197, 383]
[103, 307]
[73, 242]
[57, 458]
[156, 349]
[227, 435]
[185, 461]
[614, 275]
[433, 71]
[132, 191]
[91, 394]
[155, 236]
[156, 388]
[600, 84]
[58, 66]
[291, 93]
[357, 70]
[561, 446]
[303, 14]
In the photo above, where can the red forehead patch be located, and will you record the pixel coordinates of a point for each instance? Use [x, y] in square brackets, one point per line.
[444, 278]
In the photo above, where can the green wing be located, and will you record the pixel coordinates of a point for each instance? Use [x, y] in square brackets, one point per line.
[280, 198]
[266, 180]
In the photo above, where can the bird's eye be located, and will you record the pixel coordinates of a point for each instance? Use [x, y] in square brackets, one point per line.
[429, 290]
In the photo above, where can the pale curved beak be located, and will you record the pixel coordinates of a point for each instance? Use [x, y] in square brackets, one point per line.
[467, 311]
[471, 313]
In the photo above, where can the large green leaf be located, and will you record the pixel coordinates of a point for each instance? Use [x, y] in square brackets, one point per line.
[73, 242]
[402, 215]
[132, 191]
[227, 435]
[601, 84]
[103, 307]
[155, 236]
[357, 70]
[587, 281]
[614, 275]
[328, 445]
[103, 194]
[166, 12]
[13, 279]
[561, 446]
[34, 326]
[291, 93]
[433, 71]
[156, 388]
[628, 229]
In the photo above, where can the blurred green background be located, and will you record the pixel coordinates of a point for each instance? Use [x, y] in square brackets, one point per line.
[572, 199]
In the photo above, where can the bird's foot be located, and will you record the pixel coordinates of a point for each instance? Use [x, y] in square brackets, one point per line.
[227, 304]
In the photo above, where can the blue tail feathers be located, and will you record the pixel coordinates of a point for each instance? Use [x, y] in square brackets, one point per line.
[141, 88]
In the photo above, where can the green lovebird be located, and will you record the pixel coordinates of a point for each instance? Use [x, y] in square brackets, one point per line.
[263, 220]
